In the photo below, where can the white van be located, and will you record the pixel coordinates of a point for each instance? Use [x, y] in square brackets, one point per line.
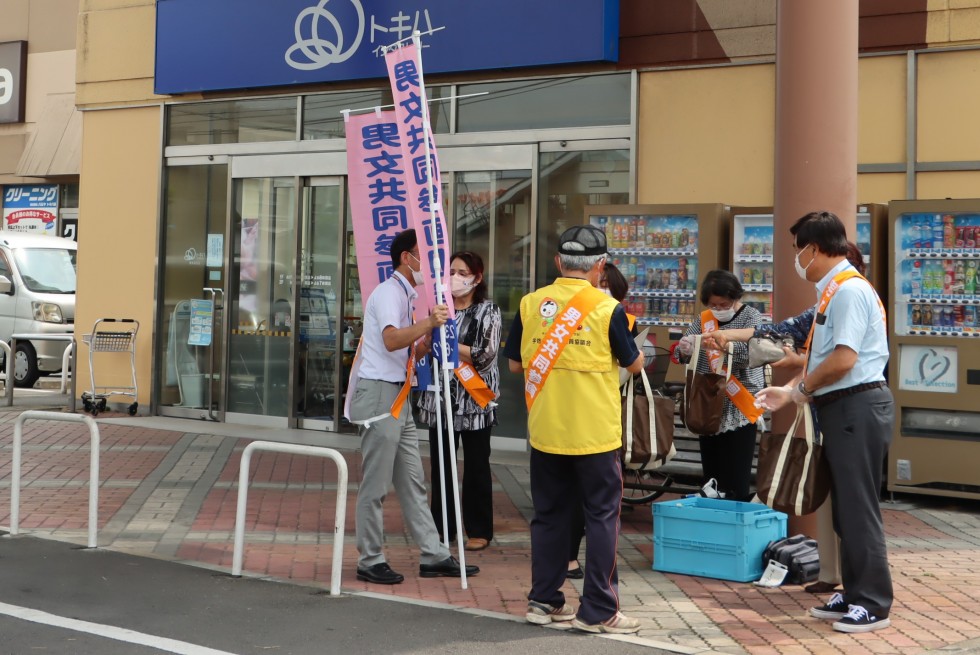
[37, 296]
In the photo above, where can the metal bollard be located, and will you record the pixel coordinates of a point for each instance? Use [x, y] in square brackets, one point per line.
[93, 482]
[339, 518]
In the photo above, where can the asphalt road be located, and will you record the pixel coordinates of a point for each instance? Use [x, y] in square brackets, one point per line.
[56, 598]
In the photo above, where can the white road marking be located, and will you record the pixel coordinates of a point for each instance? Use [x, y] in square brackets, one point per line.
[108, 631]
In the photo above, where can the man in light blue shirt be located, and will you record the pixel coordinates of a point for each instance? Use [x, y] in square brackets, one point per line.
[844, 381]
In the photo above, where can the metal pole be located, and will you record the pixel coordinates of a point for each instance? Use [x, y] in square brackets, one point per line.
[340, 515]
[440, 298]
[93, 492]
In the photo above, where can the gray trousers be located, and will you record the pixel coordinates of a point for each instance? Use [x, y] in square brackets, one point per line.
[857, 430]
[390, 453]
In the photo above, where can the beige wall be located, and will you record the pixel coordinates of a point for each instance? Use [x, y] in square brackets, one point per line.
[116, 65]
[117, 249]
[881, 110]
[706, 135]
[948, 97]
[49, 27]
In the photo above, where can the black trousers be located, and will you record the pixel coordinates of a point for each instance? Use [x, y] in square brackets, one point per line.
[477, 501]
[598, 479]
[857, 430]
[727, 457]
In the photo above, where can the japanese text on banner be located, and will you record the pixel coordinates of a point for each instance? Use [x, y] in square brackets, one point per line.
[378, 194]
[422, 179]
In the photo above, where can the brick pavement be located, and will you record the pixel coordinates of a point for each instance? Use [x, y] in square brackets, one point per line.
[172, 493]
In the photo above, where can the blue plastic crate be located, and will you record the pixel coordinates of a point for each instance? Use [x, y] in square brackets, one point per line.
[714, 538]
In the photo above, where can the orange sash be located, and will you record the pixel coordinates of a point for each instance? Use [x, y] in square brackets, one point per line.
[555, 340]
[396, 407]
[474, 385]
[631, 321]
[741, 397]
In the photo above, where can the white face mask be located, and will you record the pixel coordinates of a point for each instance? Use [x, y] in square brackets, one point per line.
[417, 275]
[606, 291]
[724, 315]
[799, 269]
[461, 286]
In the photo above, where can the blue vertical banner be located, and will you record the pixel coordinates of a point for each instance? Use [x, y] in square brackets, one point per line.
[424, 185]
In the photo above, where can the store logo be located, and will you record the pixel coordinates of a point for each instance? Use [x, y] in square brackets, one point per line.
[320, 40]
[932, 366]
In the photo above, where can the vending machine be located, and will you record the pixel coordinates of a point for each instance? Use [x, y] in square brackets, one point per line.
[664, 251]
[934, 367]
[752, 253]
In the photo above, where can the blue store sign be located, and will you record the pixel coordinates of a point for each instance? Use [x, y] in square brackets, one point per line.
[206, 45]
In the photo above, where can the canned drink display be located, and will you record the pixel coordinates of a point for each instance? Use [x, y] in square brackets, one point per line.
[746, 275]
[926, 315]
[915, 315]
[958, 317]
[757, 276]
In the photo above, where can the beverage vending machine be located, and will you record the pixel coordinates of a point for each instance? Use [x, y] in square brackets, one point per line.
[752, 253]
[934, 367]
[664, 251]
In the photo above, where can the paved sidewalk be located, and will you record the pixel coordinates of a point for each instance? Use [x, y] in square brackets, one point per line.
[169, 489]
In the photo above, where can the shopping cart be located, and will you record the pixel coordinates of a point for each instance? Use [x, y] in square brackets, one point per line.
[110, 335]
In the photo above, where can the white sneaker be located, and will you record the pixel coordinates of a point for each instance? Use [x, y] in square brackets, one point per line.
[543, 613]
[617, 624]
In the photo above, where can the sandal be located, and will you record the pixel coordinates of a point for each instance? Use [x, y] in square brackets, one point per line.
[575, 574]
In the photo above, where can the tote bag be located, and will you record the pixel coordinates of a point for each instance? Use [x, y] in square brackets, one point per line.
[648, 426]
[792, 475]
[704, 396]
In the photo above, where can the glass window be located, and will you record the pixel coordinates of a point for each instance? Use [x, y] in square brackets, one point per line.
[68, 196]
[233, 121]
[561, 102]
[493, 219]
[195, 208]
[322, 118]
[569, 182]
[47, 270]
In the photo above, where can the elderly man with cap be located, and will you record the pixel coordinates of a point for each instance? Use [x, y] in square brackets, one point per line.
[569, 340]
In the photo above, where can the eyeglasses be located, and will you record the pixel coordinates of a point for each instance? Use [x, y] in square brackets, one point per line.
[722, 308]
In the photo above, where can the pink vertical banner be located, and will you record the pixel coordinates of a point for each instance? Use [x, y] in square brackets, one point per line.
[427, 213]
[379, 196]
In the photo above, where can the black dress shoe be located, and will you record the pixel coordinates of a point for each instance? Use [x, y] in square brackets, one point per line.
[448, 568]
[380, 574]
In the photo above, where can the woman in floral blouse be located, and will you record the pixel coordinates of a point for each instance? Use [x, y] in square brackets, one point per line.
[478, 327]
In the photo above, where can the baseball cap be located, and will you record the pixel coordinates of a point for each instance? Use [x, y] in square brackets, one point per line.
[582, 240]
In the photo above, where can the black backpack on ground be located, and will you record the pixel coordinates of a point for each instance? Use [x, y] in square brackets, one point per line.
[799, 554]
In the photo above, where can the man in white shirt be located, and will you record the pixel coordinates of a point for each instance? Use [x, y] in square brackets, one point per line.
[845, 383]
[383, 412]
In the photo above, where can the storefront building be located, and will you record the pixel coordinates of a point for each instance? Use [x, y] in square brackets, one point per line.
[216, 165]
[40, 129]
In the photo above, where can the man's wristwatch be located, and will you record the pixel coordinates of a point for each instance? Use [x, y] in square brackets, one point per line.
[802, 389]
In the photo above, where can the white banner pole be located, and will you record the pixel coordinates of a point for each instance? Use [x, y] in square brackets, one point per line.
[444, 354]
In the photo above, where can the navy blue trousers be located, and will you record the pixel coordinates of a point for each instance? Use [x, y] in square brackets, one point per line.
[557, 481]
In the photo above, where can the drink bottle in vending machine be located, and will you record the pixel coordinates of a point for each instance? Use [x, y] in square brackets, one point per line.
[663, 251]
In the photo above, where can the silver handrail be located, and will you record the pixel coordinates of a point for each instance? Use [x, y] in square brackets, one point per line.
[339, 517]
[216, 307]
